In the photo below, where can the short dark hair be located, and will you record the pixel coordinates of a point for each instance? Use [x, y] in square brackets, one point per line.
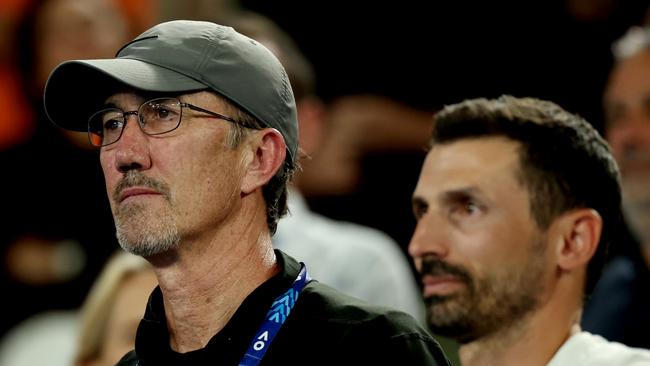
[564, 162]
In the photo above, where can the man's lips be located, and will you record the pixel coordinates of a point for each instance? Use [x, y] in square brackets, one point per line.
[440, 284]
[136, 191]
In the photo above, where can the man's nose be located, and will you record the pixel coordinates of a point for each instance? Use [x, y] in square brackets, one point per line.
[132, 149]
[429, 238]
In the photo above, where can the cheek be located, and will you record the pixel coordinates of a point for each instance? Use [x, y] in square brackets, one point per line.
[203, 175]
[501, 245]
[214, 176]
[111, 176]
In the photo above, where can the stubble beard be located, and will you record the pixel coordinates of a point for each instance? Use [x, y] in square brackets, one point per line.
[485, 305]
[146, 233]
[140, 229]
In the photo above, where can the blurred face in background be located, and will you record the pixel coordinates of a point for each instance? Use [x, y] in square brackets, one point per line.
[627, 110]
[73, 29]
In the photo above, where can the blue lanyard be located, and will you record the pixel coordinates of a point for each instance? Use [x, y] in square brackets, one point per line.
[274, 319]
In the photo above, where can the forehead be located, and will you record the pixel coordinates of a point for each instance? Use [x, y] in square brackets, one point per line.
[484, 163]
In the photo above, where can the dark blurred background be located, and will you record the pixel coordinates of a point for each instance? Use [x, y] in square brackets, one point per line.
[430, 53]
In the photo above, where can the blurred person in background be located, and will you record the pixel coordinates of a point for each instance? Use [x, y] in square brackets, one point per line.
[113, 309]
[99, 333]
[53, 243]
[618, 308]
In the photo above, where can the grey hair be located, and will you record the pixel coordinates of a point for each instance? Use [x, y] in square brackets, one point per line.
[275, 191]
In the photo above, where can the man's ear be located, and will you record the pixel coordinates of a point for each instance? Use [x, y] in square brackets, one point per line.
[269, 151]
[578, 233]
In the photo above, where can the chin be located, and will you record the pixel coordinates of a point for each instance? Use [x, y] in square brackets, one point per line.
[147, 243]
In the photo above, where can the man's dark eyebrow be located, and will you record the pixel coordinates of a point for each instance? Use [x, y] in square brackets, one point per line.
[453, 195]
[459, 194]
[463, 191]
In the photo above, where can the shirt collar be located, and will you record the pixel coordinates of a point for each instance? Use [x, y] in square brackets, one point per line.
[225, 347]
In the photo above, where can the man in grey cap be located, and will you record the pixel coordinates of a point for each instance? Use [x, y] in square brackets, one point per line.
[196, 184]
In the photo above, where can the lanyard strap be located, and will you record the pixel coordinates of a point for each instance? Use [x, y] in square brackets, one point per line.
[274, 319]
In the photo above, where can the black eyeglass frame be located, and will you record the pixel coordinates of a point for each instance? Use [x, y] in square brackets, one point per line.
[125, 115]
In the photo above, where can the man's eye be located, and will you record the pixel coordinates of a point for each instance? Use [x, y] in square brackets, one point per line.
[112, 124]
[162, 113]
[465, 208]
[471, 207]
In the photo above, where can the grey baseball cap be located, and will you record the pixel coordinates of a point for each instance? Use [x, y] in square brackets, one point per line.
[179, 56]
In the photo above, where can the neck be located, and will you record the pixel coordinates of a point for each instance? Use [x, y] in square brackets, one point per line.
[534, 338]
[207, 278]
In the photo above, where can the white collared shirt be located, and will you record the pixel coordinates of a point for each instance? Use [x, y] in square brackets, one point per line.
[357, 260]
[589, 349]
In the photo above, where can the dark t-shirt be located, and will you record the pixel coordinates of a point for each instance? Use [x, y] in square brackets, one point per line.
[325, 327]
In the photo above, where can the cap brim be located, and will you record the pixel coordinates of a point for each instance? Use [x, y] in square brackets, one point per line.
[77, 89]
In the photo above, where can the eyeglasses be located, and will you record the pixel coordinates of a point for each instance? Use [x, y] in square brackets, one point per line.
[155, 117]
